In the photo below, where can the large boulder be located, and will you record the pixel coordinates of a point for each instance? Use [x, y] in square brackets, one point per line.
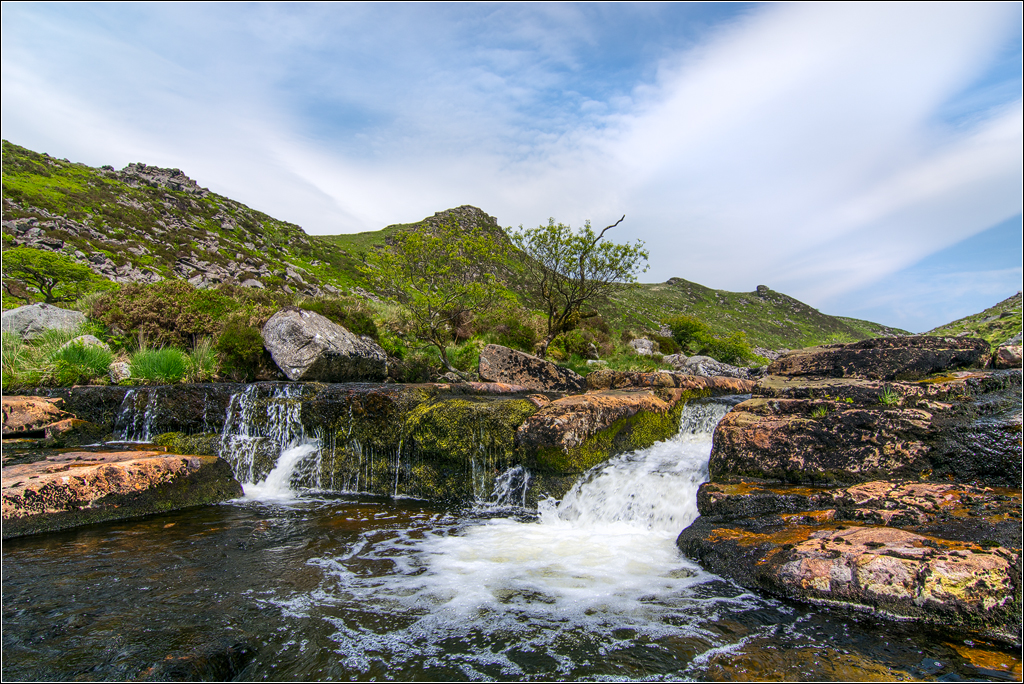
[308, 347]
[501, 364]
[35, 319]
[1008, 356]
[707, 367]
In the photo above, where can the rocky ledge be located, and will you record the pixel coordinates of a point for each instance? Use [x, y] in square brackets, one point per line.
[883, 476]
[73, 488]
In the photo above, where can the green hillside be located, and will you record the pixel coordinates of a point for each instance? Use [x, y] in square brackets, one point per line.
[145, 224]
[996, 324]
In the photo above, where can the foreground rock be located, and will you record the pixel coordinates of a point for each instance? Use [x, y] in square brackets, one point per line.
[501, 364]
[307, 346]
[33, 320]
[80, 487]
[43, 417]
[853, 478]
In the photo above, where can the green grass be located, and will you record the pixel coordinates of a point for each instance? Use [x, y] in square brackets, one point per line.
[996, 324]
[166, 365]
[50, 360]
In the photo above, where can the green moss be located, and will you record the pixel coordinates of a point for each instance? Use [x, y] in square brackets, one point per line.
[638, 431]
[460, 429]
[204, 444]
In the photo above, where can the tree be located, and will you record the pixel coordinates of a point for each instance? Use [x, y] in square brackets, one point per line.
[568, 270]
[51, 274]
[441, 277]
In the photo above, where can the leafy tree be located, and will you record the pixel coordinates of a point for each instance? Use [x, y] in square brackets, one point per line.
[56, 277]
[442, 278]
[567, 270]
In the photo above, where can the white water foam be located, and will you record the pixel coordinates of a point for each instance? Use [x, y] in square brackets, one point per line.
[277, 486]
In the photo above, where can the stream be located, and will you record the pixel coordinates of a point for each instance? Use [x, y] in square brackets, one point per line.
[292, 583]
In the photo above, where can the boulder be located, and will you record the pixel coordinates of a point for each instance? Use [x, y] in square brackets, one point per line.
[501, 364]
[87, 341]
[675, 360]
[78, 488]
[644, 346]
[1008, 356]
[708, 367]
[120, 371]
[308, 347]
[33, 320]
[885, 358]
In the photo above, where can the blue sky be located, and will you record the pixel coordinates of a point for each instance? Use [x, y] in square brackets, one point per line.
[864, 158]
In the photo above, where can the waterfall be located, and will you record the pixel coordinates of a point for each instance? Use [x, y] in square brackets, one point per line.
[134, 422]
[266, 444]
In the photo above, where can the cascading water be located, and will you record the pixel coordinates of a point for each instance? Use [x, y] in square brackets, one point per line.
[134, 422]
[266, 444]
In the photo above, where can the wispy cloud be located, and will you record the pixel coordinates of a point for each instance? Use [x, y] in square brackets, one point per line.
[814, 148]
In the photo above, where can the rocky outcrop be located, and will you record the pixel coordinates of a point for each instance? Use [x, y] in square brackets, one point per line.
[643, 346]
[1007, 356]
[695, 385]
[708, 367]
[838, 484]
[885, 358]
[77, 488]
[501, 364]
[43, 418]
[34, 319]
[308, 347]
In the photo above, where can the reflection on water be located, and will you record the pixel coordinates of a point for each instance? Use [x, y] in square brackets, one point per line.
[340, 587]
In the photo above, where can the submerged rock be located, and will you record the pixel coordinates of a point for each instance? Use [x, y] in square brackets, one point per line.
[77, 488]
[307, 346]
[501, 364]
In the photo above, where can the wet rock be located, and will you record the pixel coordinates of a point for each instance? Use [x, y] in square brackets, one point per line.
[25, 415]
[501, 364]
[885, 570]
[575, 433]
[885, 358]
[78, 488]
[1008, 356]
[308, 347]
[33, 320]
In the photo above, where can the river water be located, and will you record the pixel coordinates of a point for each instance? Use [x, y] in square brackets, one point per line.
[314, 585]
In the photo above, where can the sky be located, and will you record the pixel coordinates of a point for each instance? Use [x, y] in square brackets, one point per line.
[864, 158]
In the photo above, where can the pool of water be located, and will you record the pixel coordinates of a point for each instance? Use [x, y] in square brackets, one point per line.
[285, 585]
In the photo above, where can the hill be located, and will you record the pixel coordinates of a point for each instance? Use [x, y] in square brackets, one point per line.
[145, 224]
[997, 324]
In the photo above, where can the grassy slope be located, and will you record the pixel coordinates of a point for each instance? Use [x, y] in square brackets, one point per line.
[170, 224]
[996, 324]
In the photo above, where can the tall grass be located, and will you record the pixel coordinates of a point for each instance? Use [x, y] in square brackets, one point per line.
[50, 360]
[201, 363]
[77, 363]
[165, 365]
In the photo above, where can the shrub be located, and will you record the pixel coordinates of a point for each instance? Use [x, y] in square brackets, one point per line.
[167, 365]
[241, 349]
[733, 349]
[667, 345]
[687, 330]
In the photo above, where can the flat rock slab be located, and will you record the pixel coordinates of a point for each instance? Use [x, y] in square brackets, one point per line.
[30, 414]
[700, 385]
[76, 488]
[893, 572]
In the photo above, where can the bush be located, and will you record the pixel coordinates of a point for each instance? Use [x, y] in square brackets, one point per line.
[687, 330]
[733, 349]
[667, 345]
[241, 349]
[167, 365]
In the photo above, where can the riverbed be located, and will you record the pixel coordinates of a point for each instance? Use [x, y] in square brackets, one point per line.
[298, 584]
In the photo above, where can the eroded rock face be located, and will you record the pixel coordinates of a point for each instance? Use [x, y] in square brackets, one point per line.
[35, 319]
[693, 384]
[308, 347]
[1008, 356]
[77, 488]
[914, 503]
[501, 364]
[708, 367]
[42, 417]
[886, 570]
[885, 358]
